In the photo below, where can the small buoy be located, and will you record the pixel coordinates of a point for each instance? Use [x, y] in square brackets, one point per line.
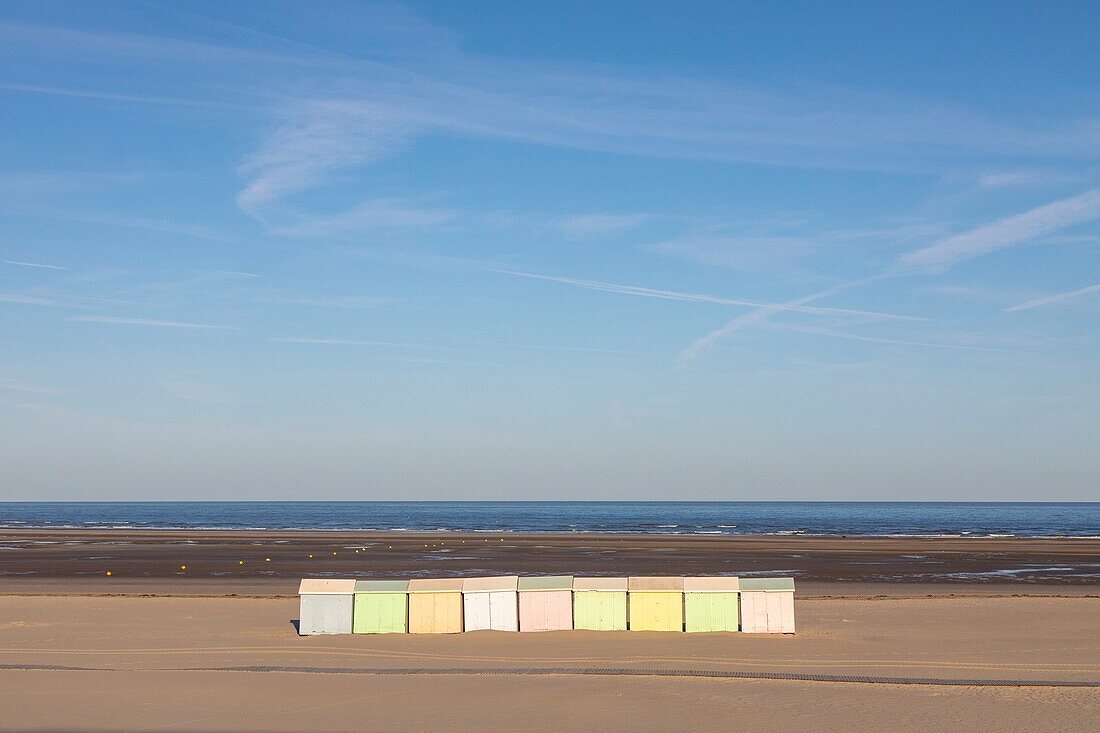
[311, 555]
[334, 554]
[183, 567]
[240, 562]
[267, 559]
[108, 573]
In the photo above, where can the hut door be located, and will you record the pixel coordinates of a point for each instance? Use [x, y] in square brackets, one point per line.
[775, 611]
[503, 612]
[478, 612]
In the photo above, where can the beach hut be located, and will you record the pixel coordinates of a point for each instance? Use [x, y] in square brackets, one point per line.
[767, 605]
[490, 603]
[710, 604]
[656, 604]
[599, 604]
[325, 606]
[435, 606]
[546, 603]
[381, 607]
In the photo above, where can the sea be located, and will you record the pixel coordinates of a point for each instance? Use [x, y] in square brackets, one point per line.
[824, 519]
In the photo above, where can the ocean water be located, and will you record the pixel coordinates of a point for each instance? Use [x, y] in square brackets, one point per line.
[962, 519]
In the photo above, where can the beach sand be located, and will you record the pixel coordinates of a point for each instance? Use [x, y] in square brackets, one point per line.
[169, 652]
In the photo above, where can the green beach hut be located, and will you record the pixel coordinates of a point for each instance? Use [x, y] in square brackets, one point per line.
[381, 607]
[599, 604]
[711, 604]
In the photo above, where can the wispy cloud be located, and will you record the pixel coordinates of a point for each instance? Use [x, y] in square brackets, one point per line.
[33, 300]
[217, 275]
[314, 141]
[38, 265]
[796, 306]
[163, 226]
[148, 322]
[743, 253]
[1007, 232]
[753, 318]
[374, 215]
[119, 97]
[878, 340]
[590, 226]
[192, 391]
[340, 342]
[15, 385]
[1056, 298]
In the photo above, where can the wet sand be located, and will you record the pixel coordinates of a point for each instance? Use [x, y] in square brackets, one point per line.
[213, 647]
[274, 556]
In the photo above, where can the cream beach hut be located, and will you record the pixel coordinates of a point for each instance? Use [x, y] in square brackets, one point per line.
[490, 603]
[710, 604]
[599, 604]
[546, 603]
[435, 606]
[767, 605]
[656, 604]
[325, 606]
[381, 607]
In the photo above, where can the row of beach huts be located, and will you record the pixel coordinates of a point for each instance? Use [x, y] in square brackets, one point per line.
[546, 603]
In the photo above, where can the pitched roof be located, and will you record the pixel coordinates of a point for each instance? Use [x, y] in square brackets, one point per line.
[381, 586]
[546, 582]
[768, 584]
[325, 586]
[663, 584]
[720, 584]
[497, 583]
[608, 584]
[435, 585]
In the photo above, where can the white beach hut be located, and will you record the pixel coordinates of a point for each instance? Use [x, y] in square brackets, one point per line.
[491, 603]
[767, 605]
[325, 606]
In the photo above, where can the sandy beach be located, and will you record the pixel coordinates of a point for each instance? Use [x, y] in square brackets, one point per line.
[156, 648]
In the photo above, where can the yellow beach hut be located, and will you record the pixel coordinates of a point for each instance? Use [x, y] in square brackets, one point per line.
[710, 604]
[325, 606]
[599, 604]
[656, 603]
[381, 607]
[767, 605]
[435, 606]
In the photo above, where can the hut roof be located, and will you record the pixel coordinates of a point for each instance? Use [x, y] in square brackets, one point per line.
[381, 586]
[610, 584]
[658, 584]
[435, 585]
[325, 586]
[547, 582]
[722, 584]
[497, 583]
[768, 584]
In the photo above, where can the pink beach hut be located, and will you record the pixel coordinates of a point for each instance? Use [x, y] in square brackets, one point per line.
[546, 603]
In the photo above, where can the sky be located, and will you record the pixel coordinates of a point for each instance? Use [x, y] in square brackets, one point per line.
[569, 250]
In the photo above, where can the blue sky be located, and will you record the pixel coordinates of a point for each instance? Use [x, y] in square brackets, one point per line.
[549, 250]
